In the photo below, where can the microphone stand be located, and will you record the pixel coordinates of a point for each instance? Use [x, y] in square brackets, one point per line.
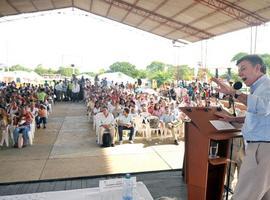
[232, 104]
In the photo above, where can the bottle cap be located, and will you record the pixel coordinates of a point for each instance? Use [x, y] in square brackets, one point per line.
[127, 176]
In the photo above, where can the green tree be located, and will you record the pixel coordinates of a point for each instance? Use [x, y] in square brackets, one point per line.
[155, 66]
[41, 70]
[185, 73]
[101, 71]
[67, 71]
[161, 77]
[124, 67]
[203, 73]
[142, 73]
[19, 68]
[238, 56]
[266, 60]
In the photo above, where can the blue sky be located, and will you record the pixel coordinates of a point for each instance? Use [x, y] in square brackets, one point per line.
[91, 42]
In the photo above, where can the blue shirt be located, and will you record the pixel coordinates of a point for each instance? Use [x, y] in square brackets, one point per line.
[166, 118]
[257, 121]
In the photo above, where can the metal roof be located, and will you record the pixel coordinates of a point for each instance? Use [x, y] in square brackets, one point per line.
[190, 20]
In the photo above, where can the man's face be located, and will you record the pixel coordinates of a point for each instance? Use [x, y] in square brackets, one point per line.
[249, 73]
[105, 111]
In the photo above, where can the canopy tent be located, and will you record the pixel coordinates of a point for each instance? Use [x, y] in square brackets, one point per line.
[147, 90]
[21, 77]
[117, 77]
[85, 76]
[178, 20]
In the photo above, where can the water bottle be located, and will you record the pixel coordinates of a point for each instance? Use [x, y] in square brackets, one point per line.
[127, 188]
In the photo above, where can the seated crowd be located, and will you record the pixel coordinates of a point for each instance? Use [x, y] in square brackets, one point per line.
[119, 108]
[22, 109]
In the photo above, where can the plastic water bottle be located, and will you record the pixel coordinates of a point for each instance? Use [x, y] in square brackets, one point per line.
[127, 188]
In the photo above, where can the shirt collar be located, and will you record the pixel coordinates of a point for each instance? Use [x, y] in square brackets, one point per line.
[256, 84]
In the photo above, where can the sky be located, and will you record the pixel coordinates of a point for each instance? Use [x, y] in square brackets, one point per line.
[70, 36]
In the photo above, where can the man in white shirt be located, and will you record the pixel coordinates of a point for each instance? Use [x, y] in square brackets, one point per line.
[170, 122]
[105, 122]
[125, 122]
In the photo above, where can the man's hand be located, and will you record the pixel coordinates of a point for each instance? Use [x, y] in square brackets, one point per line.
[106, 126]
[223, 87]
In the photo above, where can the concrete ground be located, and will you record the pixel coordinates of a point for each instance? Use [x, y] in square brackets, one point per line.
[67, 148]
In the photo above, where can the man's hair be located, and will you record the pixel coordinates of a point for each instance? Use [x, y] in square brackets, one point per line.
[104, 107]
[254, 60]
[126, 110]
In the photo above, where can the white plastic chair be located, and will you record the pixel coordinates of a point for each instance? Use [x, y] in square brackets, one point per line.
[155, 130]
[5, 137]
[139, 126]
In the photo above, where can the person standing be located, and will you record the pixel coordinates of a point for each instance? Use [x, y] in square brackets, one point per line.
[254, 176]
[75, 91]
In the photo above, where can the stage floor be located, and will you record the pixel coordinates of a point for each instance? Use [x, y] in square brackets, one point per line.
[67, 148]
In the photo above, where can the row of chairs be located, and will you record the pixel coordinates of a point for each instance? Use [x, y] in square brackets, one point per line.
[7, 135]
[143, 127]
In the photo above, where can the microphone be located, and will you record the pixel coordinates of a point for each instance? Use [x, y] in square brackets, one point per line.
[237, 85]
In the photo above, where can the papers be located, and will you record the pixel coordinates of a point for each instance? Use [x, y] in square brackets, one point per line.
[111, 184]
[222, 125]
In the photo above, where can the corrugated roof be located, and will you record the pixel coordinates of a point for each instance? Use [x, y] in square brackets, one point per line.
[190, 20]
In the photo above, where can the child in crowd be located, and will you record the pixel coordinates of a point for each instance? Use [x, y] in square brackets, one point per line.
[42, 116]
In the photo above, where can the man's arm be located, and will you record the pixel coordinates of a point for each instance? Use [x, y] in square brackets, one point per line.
[226, 89]
[229, 118]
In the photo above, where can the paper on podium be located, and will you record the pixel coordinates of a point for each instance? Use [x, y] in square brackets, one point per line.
[222, 125]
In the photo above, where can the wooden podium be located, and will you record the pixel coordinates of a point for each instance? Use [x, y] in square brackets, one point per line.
[204, 176]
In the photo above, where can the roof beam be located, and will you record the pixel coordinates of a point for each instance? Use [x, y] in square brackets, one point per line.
[210, 14]
[11, 5]
[91, 6]
[201, 18]
[234, 11]
[230, 21]
[31, 1]
[53, 4]
[160, 18]
[124, 18]
[108, 11]
[158, 7]
[180, 12]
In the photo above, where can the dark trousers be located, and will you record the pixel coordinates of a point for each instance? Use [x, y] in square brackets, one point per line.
[75, 96]
[120, 132]
[40, 120]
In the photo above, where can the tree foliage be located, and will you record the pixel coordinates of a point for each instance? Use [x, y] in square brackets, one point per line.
[238, 56]
[162, 77]
[19, 68]
[155, 66]
[266, 60]
[124, 67]
[203, 74]
[67, 71]
[181, 72]
[43, 70]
